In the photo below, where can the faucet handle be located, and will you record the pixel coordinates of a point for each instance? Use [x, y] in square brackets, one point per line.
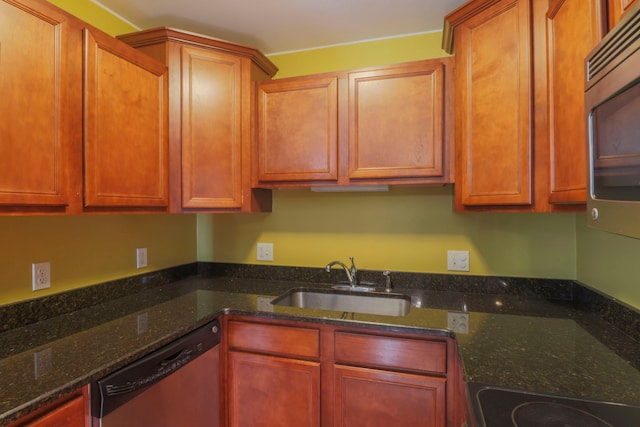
[387, 280]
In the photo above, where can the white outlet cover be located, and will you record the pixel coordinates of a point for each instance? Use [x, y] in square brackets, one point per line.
[141, 257]
[40, 275]
[264, 252]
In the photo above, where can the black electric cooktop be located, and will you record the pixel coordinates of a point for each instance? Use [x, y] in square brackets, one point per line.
[499, 407]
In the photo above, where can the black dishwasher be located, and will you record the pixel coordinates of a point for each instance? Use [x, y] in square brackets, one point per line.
[177, 385]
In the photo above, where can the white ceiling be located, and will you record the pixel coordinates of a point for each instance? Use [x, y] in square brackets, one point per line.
[276, 26]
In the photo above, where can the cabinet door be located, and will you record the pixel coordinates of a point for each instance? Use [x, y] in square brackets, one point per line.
[573, 29]
[69, 411]
[396, 122]
[273, 391]
[617, 9]
[125, 113]
[40, 83]
[493, 106]
[371, 397]
[298, 129]
[212, 130]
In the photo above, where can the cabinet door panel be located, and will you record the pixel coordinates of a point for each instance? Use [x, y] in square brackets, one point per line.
[211, 129]
[38, 105]
[573, 29]
[396, 122]
[69, 411]
[617, 9]
[298, 130]
[271, 391]
[126, 145]
[493, 106]
[369, 397]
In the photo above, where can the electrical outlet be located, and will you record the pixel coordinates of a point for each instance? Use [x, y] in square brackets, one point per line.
[264, 304]
[264, 252]
[458, 260]
[141, 257]
[458, 322]
[40, 275]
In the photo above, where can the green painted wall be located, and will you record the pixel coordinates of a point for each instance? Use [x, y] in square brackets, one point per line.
[406, 229]
[359, 55]
[89, 249]
[95, 15]
[609, 263]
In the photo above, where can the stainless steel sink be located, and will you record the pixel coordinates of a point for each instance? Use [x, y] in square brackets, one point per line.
[381, 303]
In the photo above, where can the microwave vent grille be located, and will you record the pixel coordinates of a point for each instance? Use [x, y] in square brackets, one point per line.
[621, 42]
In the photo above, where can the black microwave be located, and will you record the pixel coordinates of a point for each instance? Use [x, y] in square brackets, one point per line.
[612, 104]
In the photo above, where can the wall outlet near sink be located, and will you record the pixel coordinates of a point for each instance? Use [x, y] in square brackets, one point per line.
[264, 252]
[458, 260]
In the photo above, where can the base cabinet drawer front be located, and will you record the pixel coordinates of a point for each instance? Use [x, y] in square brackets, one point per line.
[390, 352]
[274, 339]
[273, 391]
[370, 397]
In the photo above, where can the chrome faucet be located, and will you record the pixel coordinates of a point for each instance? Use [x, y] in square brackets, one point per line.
[352, 274]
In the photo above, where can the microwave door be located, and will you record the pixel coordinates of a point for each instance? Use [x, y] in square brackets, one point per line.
[615, 148]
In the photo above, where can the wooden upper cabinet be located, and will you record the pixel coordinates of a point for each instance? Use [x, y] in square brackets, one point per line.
[617, 9]
[125, 129]
[211, 128]
[493, 103]
[40, 128]
[397, 122]
[211, 97]
[574, 28]
[298, 129]
[380, 125]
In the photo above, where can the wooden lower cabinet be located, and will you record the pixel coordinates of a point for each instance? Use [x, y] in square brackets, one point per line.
[69, 411]
[285, 373]
[373, 397]
[273, 391]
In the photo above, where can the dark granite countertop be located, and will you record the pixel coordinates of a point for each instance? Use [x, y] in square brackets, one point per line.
[514, 341]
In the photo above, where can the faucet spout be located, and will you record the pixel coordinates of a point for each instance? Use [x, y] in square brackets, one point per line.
[349, 274]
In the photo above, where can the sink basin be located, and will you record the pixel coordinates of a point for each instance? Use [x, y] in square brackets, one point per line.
[381, 303]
